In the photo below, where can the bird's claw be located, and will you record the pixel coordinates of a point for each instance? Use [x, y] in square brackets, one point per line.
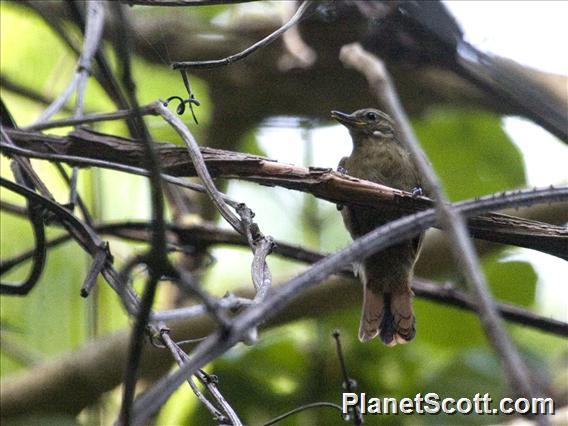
[343, 171]
[417, 191]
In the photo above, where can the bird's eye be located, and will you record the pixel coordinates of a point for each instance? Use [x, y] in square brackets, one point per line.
[371, 116]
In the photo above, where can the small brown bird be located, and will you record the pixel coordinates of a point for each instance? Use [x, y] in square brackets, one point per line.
[378, 156]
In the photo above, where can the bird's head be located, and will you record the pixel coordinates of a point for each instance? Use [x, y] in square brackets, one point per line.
[368, 122]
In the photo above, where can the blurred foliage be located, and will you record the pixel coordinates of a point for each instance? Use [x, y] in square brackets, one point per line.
[291, 365]
[470, 152]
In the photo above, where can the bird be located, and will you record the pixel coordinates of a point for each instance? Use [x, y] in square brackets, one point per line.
[378, 156]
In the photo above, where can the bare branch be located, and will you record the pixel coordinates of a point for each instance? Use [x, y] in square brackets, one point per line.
[303, 11]
[12, 86]
[105, 150]
[200, 167]
[93, 35]
[13, 208]
[92, 118]
[349, 384]
[261, 247]
[210, 382]
[180, 357]
[39, 252]
[83, 234]
[55, 15]
[101, 257]
[303, 408]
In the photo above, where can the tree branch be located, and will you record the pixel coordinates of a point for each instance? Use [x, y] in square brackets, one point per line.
[86, 148]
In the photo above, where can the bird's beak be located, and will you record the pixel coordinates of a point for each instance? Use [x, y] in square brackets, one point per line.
[347, 120]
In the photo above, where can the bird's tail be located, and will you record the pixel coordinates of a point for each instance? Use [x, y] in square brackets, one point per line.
[388, 315]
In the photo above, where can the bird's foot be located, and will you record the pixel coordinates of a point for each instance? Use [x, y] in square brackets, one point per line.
[343, 171]
[417, 191]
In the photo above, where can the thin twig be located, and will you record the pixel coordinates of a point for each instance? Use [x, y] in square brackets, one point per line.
[102, 72]
[78, 199]
[200, 167]
[210, 382]
[55, 21]
[229, 303]
[349, 384]
[448, 294]
[302, 408]
[8, 85]
[156, 259]
[180, 358]
[83, 234]
[13, 208]
[303, 11]
[135, 348]
[92, 118]
[26, 176]
[36, 217]
[186, 282]
[98, 264]
[261, 247]
[90, 45]
[93, 32]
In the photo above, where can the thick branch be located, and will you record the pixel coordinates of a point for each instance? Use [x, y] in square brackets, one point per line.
[435, 259]
[85, 148]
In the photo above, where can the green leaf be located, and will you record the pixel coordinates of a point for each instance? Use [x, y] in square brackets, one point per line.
[511, 281]
[470, 152]
[445, 326]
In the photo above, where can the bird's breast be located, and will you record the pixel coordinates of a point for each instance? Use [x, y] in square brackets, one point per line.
[385, 163]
